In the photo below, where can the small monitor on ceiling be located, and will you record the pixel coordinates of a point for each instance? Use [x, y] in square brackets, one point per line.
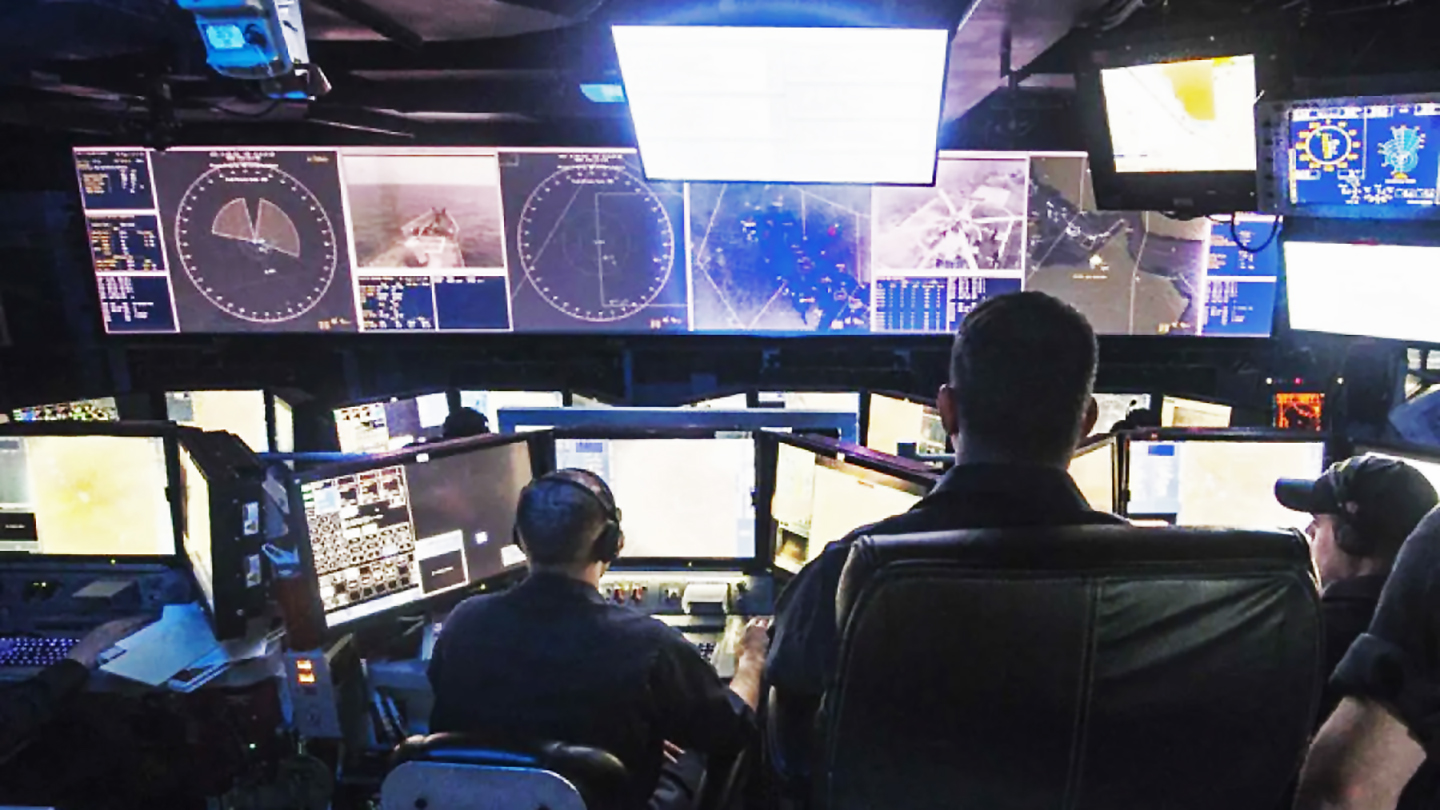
[785, 105]
[1172, 127]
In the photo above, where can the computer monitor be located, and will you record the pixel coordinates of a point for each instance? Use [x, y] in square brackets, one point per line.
[824, 490]
[842, 425]
[683, 497]
[729, 402]
[1094, 469]
[239, 412]
[490, 402]
[195, 533]
[1115, 407]
[1222, 479]
[1300, 410]
[847, 401]
[391, 424]
[1426, 460]
[86, 494]
[103, 409]
[284, 426]
[1190, 413]
[1365, 290]
[392, 534]
[895, 420]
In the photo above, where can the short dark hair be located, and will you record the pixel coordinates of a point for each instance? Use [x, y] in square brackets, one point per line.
[465, 422]
[1023, 369]
[558, 522]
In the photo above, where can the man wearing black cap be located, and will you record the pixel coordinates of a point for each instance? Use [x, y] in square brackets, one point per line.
[1363, 509]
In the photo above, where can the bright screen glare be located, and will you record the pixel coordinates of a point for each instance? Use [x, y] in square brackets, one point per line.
[1192, 116]
[1381, 291]
[1093, 470]
[1220, 483]
[896, 421]
[1189, 413]
[490, 402]
[785, 105]
[196, 536]
[100, 495]
[239, 412]
[678, 498]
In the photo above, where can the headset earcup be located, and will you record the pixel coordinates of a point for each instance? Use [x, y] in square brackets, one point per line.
[607, 548]
[1351, 541]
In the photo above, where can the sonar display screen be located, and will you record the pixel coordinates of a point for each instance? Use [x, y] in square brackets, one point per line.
[1368, 156]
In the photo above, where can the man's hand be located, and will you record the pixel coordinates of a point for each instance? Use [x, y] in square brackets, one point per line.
[104, 637]
[754, 641]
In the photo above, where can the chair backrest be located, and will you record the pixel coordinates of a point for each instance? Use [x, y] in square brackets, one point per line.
[464, 772]
[1105, 667]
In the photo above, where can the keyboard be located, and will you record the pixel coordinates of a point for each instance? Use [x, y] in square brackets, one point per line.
[34, 651]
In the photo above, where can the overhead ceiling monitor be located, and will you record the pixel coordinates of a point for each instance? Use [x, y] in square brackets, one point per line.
[785, 105]
[895, 420]
[1380, 291]
[490, 402]
[1190, 413]
[1219, 480]
[1171, 125]
[86, 495]
[1367, 157]
[823, 493]
[681, 499]
[1094, 470]
[103, 409]
[392, 534]
[239, 412]
[391, 424]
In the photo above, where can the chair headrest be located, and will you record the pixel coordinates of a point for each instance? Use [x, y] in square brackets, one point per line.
[1072, 550]
[589, 768]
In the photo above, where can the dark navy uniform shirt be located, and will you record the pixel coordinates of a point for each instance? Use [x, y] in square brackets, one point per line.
[971, 496]
[551, 660]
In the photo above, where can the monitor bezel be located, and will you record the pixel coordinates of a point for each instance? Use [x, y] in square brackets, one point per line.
[747, 565]
[767, 457]
[1212, 192]
[167, 431]
[443, 601]
[1328, 442]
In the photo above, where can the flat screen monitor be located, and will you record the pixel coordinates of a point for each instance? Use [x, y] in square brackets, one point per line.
[376, 427]
[842, 425]
[1190, 413]
[1380, 291]
[848, 401]
[895, 421]
[390, 535]
[490, 402]
[86, 495]
[820, 497]
[1195, 115]
[1115, 407]
[1093, 469]
[1300, 410]
[680, 498]
[195, 530]
[1428, 463]
[785, 105]
[1362, 157]
[103, 409]
[729, 402]
[239, 412]
[1219, 482]
[284, 426]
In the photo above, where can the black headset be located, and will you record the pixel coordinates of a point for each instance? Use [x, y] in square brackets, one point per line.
[1348, 536]
[607, 543]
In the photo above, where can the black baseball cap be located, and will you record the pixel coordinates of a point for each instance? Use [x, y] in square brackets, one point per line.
[1391, 497]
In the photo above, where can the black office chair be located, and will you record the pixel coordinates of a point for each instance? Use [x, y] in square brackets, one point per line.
[1113, 667]
[464, 772]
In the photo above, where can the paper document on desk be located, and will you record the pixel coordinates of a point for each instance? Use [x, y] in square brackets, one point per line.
[153, 655]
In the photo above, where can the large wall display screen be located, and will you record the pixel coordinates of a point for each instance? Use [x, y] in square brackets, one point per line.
[287, 239]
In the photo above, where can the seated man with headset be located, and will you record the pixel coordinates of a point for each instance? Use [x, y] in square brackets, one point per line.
[551, 660]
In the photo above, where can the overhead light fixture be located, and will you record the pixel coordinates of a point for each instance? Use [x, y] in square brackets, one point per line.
[794, 105]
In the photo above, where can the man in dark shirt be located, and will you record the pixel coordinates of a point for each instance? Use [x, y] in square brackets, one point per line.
[551, 660]
[1361, 509]
[1022, 371]
[1388, 722]
[26, 707]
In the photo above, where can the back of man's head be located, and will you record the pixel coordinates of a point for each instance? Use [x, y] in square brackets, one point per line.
[465, 422]
[559, 522]
[1022, 370]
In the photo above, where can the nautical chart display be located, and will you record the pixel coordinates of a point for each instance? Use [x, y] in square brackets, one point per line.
[371, 239]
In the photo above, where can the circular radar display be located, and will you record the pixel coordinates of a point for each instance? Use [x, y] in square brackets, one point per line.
[256, 242]
[596, 242]
[1328, 145]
